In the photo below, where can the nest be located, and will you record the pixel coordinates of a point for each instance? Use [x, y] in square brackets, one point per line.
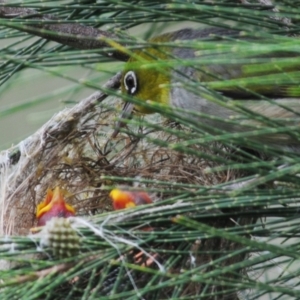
[75, 151]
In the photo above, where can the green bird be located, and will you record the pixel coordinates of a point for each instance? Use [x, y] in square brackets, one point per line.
[260, 93]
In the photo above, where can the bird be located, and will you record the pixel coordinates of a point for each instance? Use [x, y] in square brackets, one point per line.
[162, 86]
[54, 205]
[122, 198]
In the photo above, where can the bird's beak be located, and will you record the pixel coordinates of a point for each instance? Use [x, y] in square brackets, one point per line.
[57, 197]
[125, 114]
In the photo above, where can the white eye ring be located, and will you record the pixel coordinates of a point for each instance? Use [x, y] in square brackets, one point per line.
[130, 82]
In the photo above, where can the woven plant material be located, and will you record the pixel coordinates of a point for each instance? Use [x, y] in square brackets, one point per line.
[76, 154]
[75, 151]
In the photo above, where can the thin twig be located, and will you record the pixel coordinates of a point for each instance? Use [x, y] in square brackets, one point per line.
[75, 35]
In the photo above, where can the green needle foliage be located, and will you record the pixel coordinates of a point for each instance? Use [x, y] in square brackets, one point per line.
[225, 223]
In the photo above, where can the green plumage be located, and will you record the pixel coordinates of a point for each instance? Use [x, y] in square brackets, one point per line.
[250, 87]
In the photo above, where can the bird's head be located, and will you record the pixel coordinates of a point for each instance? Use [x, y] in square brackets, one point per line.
[125, 199]
[54, 205]
[146, 76]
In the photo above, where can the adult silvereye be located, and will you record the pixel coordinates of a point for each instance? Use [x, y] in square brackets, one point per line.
[169, 74]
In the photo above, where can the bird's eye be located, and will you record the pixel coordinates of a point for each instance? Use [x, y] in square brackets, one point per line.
[130, 83]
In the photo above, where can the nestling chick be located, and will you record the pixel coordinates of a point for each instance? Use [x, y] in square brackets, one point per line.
[54, 205]
[125, 199]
